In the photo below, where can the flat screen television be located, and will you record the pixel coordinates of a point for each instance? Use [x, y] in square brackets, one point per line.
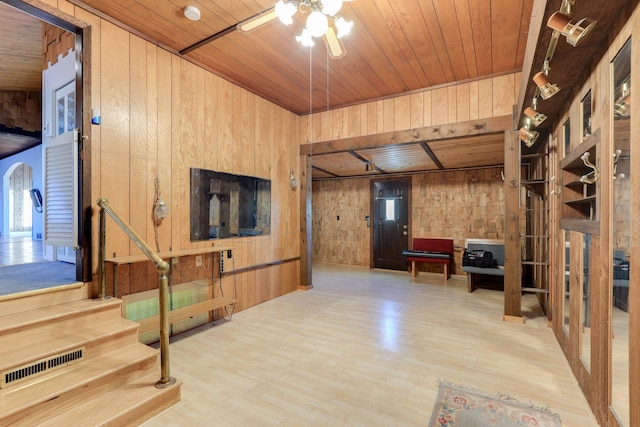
[225, 205]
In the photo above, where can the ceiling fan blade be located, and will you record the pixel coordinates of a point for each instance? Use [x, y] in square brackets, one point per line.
[257, 21]
[334, 44]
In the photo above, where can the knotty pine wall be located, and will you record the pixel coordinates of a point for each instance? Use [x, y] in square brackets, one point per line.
[457, 204]
[491, 97]
[161, 116]
[460, 204]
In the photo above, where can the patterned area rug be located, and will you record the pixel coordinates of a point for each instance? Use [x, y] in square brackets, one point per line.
[463, 407]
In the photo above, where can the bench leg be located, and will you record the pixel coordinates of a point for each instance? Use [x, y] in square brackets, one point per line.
[414, 272]
[446, 272]
[470, 283]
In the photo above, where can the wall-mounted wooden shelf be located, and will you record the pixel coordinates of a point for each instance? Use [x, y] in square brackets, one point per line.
[580, 199]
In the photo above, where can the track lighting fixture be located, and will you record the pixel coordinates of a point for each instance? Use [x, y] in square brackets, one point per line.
[528, 136]
[535, 117]
[547, 90]
[574, 31]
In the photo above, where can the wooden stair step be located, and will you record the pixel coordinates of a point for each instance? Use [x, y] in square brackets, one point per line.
[33, 300]
[34, 344]
[35, 400]
[130, 405]
[50, 316]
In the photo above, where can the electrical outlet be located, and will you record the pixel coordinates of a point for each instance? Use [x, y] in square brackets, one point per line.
[198, 260]
[221, 262]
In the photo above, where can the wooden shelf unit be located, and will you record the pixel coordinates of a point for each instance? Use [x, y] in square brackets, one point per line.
[579, 199]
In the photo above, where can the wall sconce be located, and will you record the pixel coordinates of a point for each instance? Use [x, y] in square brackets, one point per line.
[547, 90]
[370, 166]
[192, 13]
[293, 182]
[160, 210]
[574, 31]
[535, 117]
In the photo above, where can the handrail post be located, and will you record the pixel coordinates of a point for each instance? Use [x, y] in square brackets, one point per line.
[102, 277]
[165, 379]
[162, 267]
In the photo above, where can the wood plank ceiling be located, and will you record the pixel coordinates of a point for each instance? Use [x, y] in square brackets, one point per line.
[395, 47]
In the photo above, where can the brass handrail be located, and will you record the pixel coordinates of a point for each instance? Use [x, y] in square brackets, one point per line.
[162, 267]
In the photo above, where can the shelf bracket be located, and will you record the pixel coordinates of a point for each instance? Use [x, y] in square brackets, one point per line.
[590, 177]
[557, 188]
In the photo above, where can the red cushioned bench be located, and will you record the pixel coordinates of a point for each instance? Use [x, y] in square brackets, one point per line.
[425, 249]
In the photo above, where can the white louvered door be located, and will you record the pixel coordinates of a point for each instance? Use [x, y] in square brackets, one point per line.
[60, 161]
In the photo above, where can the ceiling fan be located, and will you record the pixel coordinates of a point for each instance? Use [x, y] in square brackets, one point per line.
[322, 21]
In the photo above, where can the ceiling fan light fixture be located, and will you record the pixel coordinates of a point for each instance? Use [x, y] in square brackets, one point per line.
[317, 23]
[192, 13]
[305, 38]
[331, 7]
[343, 26]
[285, 12]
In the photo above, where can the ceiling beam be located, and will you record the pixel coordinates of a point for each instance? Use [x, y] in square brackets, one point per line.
[430, 153]
[411, 136]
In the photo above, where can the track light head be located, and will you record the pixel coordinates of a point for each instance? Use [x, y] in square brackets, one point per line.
[574, 30]
[535, 117]
[547, 90]
[528, 136]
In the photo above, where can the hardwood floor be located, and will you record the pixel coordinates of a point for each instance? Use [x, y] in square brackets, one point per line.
[19, 248]
[367, 347]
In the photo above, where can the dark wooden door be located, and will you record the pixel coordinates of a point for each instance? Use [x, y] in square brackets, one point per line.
[390, 224]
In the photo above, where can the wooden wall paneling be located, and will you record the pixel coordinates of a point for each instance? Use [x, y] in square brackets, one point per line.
[402, 112]
[375, 117]
[503, 94]
[364, 114]
[138, 149]
[176, 203]
[210, 153]
[151, 127]
[123, 280]
[225, 121]
[261, 121]
[439, 106]
[115, 129]
[290, 276]
[485, 97]
[473, 101]
[338, 122]
[66, 7]
[277, 208]
[452, 101]
[463, 100]
[189, 144]
[264, 285]
[139, 278]
[354, 121]
[428, 112]
[164, 154]
[416, 109]
[284, 163]
[326, 125]
[512, 267]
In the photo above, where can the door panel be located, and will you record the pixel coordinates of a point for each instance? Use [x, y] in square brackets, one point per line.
[390, 224]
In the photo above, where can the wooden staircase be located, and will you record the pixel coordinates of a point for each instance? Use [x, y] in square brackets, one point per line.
[68, 360]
